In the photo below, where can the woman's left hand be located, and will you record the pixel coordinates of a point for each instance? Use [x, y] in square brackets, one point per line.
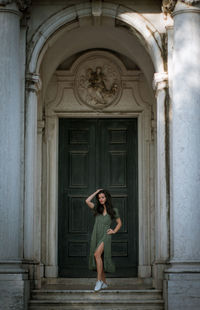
[110, 231]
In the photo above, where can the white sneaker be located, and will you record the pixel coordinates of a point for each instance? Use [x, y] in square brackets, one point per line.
[104, 285]
[98, 285]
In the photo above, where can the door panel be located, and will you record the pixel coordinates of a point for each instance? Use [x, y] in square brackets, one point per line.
[119, 176]
[96, 153]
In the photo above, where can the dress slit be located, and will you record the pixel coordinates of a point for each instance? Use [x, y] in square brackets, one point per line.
[98, 245]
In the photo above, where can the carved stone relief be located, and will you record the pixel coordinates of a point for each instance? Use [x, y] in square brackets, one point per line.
[97, 83]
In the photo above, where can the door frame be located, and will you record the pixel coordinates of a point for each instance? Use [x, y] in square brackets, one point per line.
[145, 196]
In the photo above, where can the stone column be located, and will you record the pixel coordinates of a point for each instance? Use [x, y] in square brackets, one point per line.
[32, 210]
[183, 277]
[39, 219]
[12, 284]
[10, 143]
[51, 267]
[162, 203]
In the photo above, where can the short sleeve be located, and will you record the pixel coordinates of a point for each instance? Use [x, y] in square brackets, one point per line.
[116, 213]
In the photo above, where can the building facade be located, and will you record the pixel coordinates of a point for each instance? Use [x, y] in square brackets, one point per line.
[79, 77]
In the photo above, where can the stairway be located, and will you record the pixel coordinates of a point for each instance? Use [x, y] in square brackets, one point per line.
[75, 294]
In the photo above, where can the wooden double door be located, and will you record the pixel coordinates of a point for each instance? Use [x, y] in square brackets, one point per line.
[97, 153]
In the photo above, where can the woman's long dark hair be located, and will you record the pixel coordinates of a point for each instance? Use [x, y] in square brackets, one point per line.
[108, 203]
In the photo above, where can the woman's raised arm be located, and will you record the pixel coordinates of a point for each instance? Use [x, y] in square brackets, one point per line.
[88, 200]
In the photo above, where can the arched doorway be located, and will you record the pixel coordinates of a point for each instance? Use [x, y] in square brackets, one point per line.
[138, 102]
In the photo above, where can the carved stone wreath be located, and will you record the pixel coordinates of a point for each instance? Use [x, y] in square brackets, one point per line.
[97, 82]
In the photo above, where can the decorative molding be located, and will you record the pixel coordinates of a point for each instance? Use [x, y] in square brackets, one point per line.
[97, 82]
[96, 8]
[40, 126]
[160, 81]
[33, 82]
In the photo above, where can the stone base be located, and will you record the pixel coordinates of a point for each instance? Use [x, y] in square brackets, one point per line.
[51, 271]
[14, 291]
[158, 274]
[182, 291]
[144, 271]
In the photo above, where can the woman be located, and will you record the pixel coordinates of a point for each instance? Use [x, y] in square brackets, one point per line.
[101, 235]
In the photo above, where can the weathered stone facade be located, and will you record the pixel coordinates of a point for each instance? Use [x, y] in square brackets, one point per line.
[55, 57]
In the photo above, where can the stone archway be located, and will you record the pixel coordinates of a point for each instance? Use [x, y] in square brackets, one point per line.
[70, 17]
[40, 51]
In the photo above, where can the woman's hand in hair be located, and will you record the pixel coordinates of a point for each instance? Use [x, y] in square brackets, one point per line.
[88, 200]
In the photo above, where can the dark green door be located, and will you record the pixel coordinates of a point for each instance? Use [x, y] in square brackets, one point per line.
[97, 153]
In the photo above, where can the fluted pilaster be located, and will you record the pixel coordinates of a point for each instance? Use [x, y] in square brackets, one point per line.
[160, 84]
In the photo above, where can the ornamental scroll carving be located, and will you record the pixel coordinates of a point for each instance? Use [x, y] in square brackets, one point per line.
[98, 83]
[22, 4]
[169, 5]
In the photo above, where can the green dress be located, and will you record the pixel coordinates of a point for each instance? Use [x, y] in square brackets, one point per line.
[99, 235]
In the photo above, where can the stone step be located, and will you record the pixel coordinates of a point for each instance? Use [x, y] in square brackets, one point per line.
[62, 295]
[111, 304]
[89, 283]
[147, 282]
[45, 299]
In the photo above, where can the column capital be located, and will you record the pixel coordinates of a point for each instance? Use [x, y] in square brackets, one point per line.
[33, 82]
[160, 81]
[22, 4]
[168, 6]
[40, 126]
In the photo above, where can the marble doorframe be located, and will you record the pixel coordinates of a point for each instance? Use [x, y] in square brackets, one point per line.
[145, 243]
[58, 107]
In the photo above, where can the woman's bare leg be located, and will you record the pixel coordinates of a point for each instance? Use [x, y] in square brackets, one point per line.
[103, 278]
[99, 262]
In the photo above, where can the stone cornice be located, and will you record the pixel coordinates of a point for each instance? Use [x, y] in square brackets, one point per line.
[22, 4]
[169, 5]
